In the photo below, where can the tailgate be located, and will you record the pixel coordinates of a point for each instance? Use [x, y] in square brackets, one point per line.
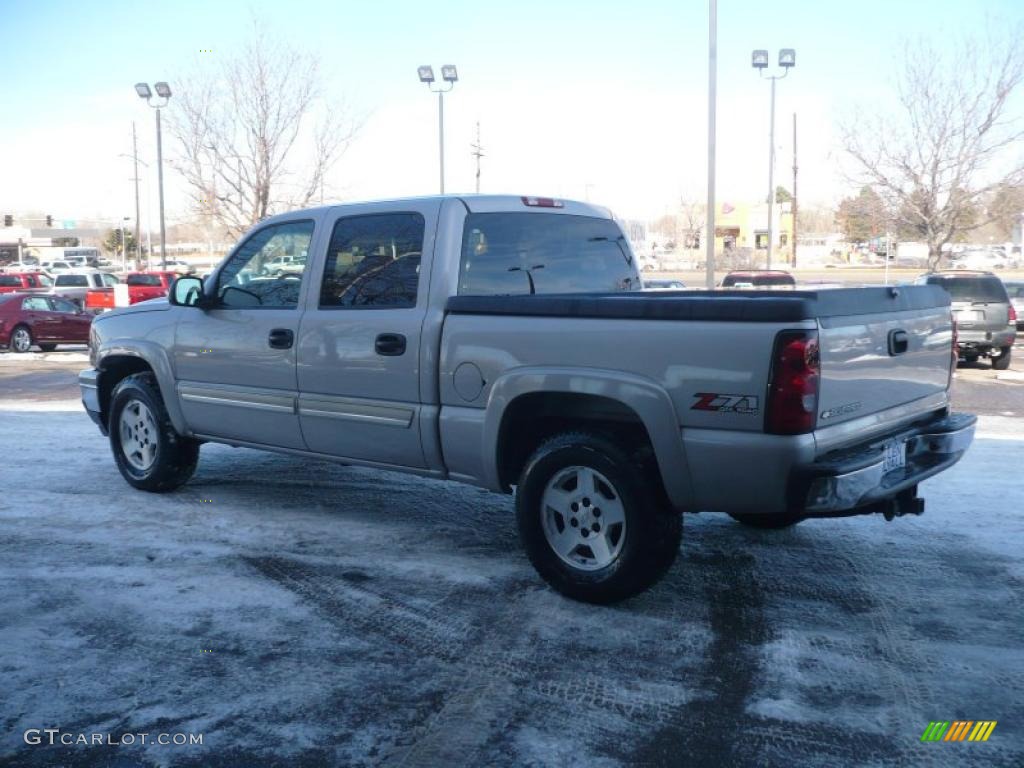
[981, 315]
[872, 362]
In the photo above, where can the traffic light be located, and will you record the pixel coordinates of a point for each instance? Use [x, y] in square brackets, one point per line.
[8, 220]
[49, 221]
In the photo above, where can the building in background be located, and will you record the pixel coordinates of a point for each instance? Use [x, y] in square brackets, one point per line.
[743, 228]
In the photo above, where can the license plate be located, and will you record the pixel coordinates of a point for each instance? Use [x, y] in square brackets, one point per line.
[969, 315]
[894, 455]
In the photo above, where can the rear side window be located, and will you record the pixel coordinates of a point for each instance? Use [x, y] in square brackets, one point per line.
[972, 288]
[517, 253]
[72, 281]
[9, 281]
[374, 262]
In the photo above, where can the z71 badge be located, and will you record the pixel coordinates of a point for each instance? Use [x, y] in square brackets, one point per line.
[711, 401]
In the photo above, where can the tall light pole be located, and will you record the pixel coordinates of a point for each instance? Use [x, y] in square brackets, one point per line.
[163, 91]
[759, 61]
[450, 76]
[709, 218]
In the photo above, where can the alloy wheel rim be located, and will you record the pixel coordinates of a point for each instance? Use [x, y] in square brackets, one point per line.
[583, 518]
[22, 341]
[138, 433]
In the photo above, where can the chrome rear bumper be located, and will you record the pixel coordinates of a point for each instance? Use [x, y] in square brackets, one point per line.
[857, 479]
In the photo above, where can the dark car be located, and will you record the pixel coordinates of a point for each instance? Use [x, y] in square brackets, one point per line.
[27, 319]
[761, 278]
[986, 320]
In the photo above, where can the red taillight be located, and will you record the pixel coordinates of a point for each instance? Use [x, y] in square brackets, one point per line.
[793, 389]
[1013, 314]
[542, 202]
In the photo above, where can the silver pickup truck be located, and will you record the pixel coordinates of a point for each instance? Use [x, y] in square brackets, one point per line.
[504, 342]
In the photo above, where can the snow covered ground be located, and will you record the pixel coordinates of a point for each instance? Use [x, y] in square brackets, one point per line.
[301, 613]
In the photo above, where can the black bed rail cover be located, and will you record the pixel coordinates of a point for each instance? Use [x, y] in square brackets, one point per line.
[737, 305]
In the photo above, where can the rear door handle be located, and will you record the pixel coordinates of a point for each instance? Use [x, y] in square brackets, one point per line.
[281, 338]
[898, 342]
[390, 344]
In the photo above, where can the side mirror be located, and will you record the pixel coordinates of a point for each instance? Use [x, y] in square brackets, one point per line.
[186, 292]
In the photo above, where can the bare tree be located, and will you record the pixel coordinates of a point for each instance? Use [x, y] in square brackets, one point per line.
[955, 139]
[255, 135]
[693, 215]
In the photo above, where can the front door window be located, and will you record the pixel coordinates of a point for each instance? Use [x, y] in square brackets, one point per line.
[268, 269]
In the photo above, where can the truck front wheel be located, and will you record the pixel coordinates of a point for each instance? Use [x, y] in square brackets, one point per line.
[150, 455]
[590, 520]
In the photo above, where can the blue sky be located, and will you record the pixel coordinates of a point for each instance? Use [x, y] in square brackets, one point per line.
[574, 98]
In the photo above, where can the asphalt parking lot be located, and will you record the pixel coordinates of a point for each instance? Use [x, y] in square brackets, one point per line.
[303, 613]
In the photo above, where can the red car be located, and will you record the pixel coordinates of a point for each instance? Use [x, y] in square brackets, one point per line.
[24, 281]
[27, 319]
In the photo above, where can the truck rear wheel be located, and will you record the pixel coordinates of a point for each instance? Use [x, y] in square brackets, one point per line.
[590, 520]
[1002, 362]
[150, 455]
[767, 522]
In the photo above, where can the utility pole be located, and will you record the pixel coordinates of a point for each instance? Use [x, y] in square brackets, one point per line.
[138, 234]
[478, 152]
[793, 205]
[709, 261]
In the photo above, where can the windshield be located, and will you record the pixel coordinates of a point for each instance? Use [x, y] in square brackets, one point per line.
[1016, 290]
[76, 281]
[516, 253]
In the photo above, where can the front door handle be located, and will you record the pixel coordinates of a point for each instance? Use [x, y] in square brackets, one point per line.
[390, 344]
[281, 338]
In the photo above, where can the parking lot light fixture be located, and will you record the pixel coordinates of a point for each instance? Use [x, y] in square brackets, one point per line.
[759, 61]
[450, 76]
[163, 91]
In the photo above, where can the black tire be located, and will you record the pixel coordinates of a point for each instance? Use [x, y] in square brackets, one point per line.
[176, 456]
[13, 347]
[47, 347]
[767, 522]
[1002, 362]
[651, 532]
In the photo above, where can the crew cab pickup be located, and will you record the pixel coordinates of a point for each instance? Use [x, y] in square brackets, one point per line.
[137, 286]
[505, 342]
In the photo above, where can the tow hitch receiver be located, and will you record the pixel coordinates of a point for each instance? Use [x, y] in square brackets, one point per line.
[904, 503]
